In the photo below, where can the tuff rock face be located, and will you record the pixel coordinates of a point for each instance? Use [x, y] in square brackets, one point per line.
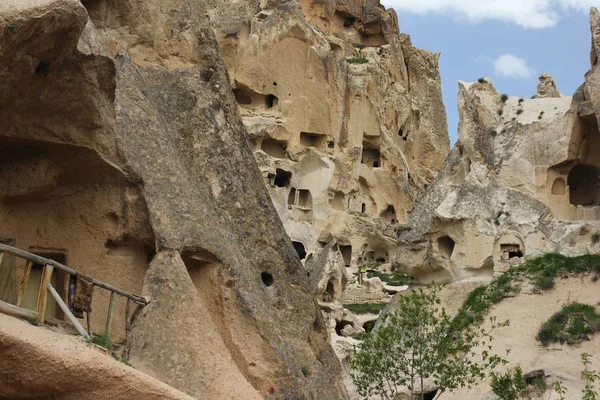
[121, 144]
[345, 117]
[521, 181]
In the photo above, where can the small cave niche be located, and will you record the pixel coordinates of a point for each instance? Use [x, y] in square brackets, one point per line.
[305, 200]
[559, 187]
[340, 325]
[292, 197]
[315, 140]
[267, 279]
[282, 178]
[508, 251]
[430, 395]
[389, 214]
[271, 100]
[446, 246]
[242, 97]
[199, 264]
[300, 250]
[535, 378]
[349, 21]
[328, 294]
[371, 157]
[368, 326]
[346, 254]
[337, 201]
[330, 144]
[274, 148]
[584, 185]
[363, 208]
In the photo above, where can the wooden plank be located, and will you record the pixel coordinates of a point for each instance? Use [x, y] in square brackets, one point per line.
[68, 313]
[43, 292]
[15, 311]
[111, 306]
[24, 283]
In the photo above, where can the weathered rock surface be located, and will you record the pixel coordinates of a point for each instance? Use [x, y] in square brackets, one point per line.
[39, 364]
[138, 94]
[345, 116]
[547, 87]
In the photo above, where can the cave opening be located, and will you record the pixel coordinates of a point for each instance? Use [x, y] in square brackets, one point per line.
[300, 250]
[446, 245]
[584, 185]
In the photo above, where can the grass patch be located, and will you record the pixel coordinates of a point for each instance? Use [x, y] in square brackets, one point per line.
[504, 98]
[10, 29]
[34, 321]
[106, 341]
[367, 308]
[102, 340]
[395, 278]
[359, 46]
[542, 272]
[573, 324]
[305, 371]
[357, 61]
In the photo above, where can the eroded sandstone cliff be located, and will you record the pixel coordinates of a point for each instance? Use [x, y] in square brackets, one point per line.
[122, 144]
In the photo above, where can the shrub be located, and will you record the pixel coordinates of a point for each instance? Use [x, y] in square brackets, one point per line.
[504, 98]
[34, 321]
[481, 80]
[359, 45]
[500, 112]
[596, 237]
[521, 100]
[573, 324]
[519, 111]
[357, 61]
[10, 29]
[305, 371]
[510, 385]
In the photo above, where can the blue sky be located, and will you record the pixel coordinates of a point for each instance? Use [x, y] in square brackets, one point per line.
[510, 41]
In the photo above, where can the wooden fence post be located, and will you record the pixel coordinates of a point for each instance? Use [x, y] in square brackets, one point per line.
[111, 305]
[43, 293]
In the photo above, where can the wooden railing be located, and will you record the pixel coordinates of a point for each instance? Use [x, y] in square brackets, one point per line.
[46, 286]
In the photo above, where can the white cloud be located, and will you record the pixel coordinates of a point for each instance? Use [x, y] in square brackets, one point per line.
[526, 13]
[511, 66]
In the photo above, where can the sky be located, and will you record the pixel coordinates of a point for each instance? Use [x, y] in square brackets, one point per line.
[510, 41]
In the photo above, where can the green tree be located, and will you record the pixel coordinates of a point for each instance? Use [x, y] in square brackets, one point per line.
[417, 343]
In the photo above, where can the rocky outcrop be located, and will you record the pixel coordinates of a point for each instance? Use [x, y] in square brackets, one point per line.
[521, 181]
[125, 145]
[547, 87]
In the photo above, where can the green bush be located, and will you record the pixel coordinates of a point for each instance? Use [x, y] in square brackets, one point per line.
[519, 111]
[102, 340]
[596, 237]
[481, 80]
[359, 45]
[504, 98]
[357, 61]
[573, 324]
[510, 385]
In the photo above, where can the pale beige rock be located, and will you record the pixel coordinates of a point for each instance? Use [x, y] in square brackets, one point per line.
[547, 87]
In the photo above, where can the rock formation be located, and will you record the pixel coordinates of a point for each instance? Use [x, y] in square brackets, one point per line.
[122, 144]
[344, 114]
[520, 182]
